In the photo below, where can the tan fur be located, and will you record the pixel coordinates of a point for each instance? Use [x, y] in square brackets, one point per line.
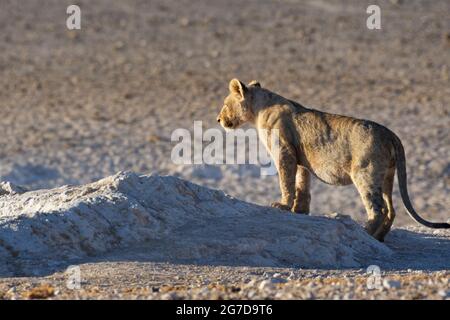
[338, 150]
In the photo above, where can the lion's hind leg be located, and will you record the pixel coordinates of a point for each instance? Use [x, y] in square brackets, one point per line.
[387, 196]
[370, 190]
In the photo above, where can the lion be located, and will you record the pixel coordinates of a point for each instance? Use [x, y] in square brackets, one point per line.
[336, 149]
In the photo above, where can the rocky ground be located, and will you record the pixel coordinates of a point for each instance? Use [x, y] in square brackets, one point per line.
[146, 280]
[77, 106]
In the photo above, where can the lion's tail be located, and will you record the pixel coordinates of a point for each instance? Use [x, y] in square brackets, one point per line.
[402, 182]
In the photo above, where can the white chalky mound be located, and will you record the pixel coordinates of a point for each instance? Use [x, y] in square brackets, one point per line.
[178, 222]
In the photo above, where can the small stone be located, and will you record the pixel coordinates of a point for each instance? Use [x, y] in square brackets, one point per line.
[308, 295]
[446, 37]
[128, 95]
[119, 45]
[391, 284]
[184, 22]
[348, 296]
[251, 283]
[43, 291]
[278, 280]
[276, 275]
[11, 290]
[204, 292]
[279, 295]
[444, 294]
[170, 296]
[266, 285]
[8, 188]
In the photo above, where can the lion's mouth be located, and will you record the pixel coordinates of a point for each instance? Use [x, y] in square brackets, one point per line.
[227, 124]
[232, 125]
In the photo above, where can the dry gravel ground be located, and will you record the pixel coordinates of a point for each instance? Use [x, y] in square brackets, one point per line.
[80, 105]
[149, 280]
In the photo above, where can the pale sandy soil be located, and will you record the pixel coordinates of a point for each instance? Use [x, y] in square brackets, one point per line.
[77, 106]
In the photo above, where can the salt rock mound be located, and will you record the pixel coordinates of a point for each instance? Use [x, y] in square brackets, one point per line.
[178, 222]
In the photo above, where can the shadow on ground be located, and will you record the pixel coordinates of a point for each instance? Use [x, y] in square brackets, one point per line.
[413, 250]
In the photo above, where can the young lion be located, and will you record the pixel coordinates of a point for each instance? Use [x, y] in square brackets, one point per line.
[336, 149]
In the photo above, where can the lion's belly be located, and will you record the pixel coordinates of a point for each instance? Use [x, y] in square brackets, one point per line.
[332, 177]
[330, 172]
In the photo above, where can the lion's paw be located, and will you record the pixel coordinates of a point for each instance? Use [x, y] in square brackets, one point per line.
[280, 206]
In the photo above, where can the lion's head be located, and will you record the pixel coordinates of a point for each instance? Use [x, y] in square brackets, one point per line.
[237, 108]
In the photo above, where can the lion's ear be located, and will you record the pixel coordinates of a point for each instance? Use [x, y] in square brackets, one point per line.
[254, 83]
[238, 88]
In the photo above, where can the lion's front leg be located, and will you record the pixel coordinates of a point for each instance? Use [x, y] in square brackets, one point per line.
[302, 194]
[287, 165]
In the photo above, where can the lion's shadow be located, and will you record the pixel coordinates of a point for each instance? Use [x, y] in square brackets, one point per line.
[411, 251]
[417, 251]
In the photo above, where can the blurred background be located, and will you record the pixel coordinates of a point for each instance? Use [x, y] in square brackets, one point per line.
[79, 105]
